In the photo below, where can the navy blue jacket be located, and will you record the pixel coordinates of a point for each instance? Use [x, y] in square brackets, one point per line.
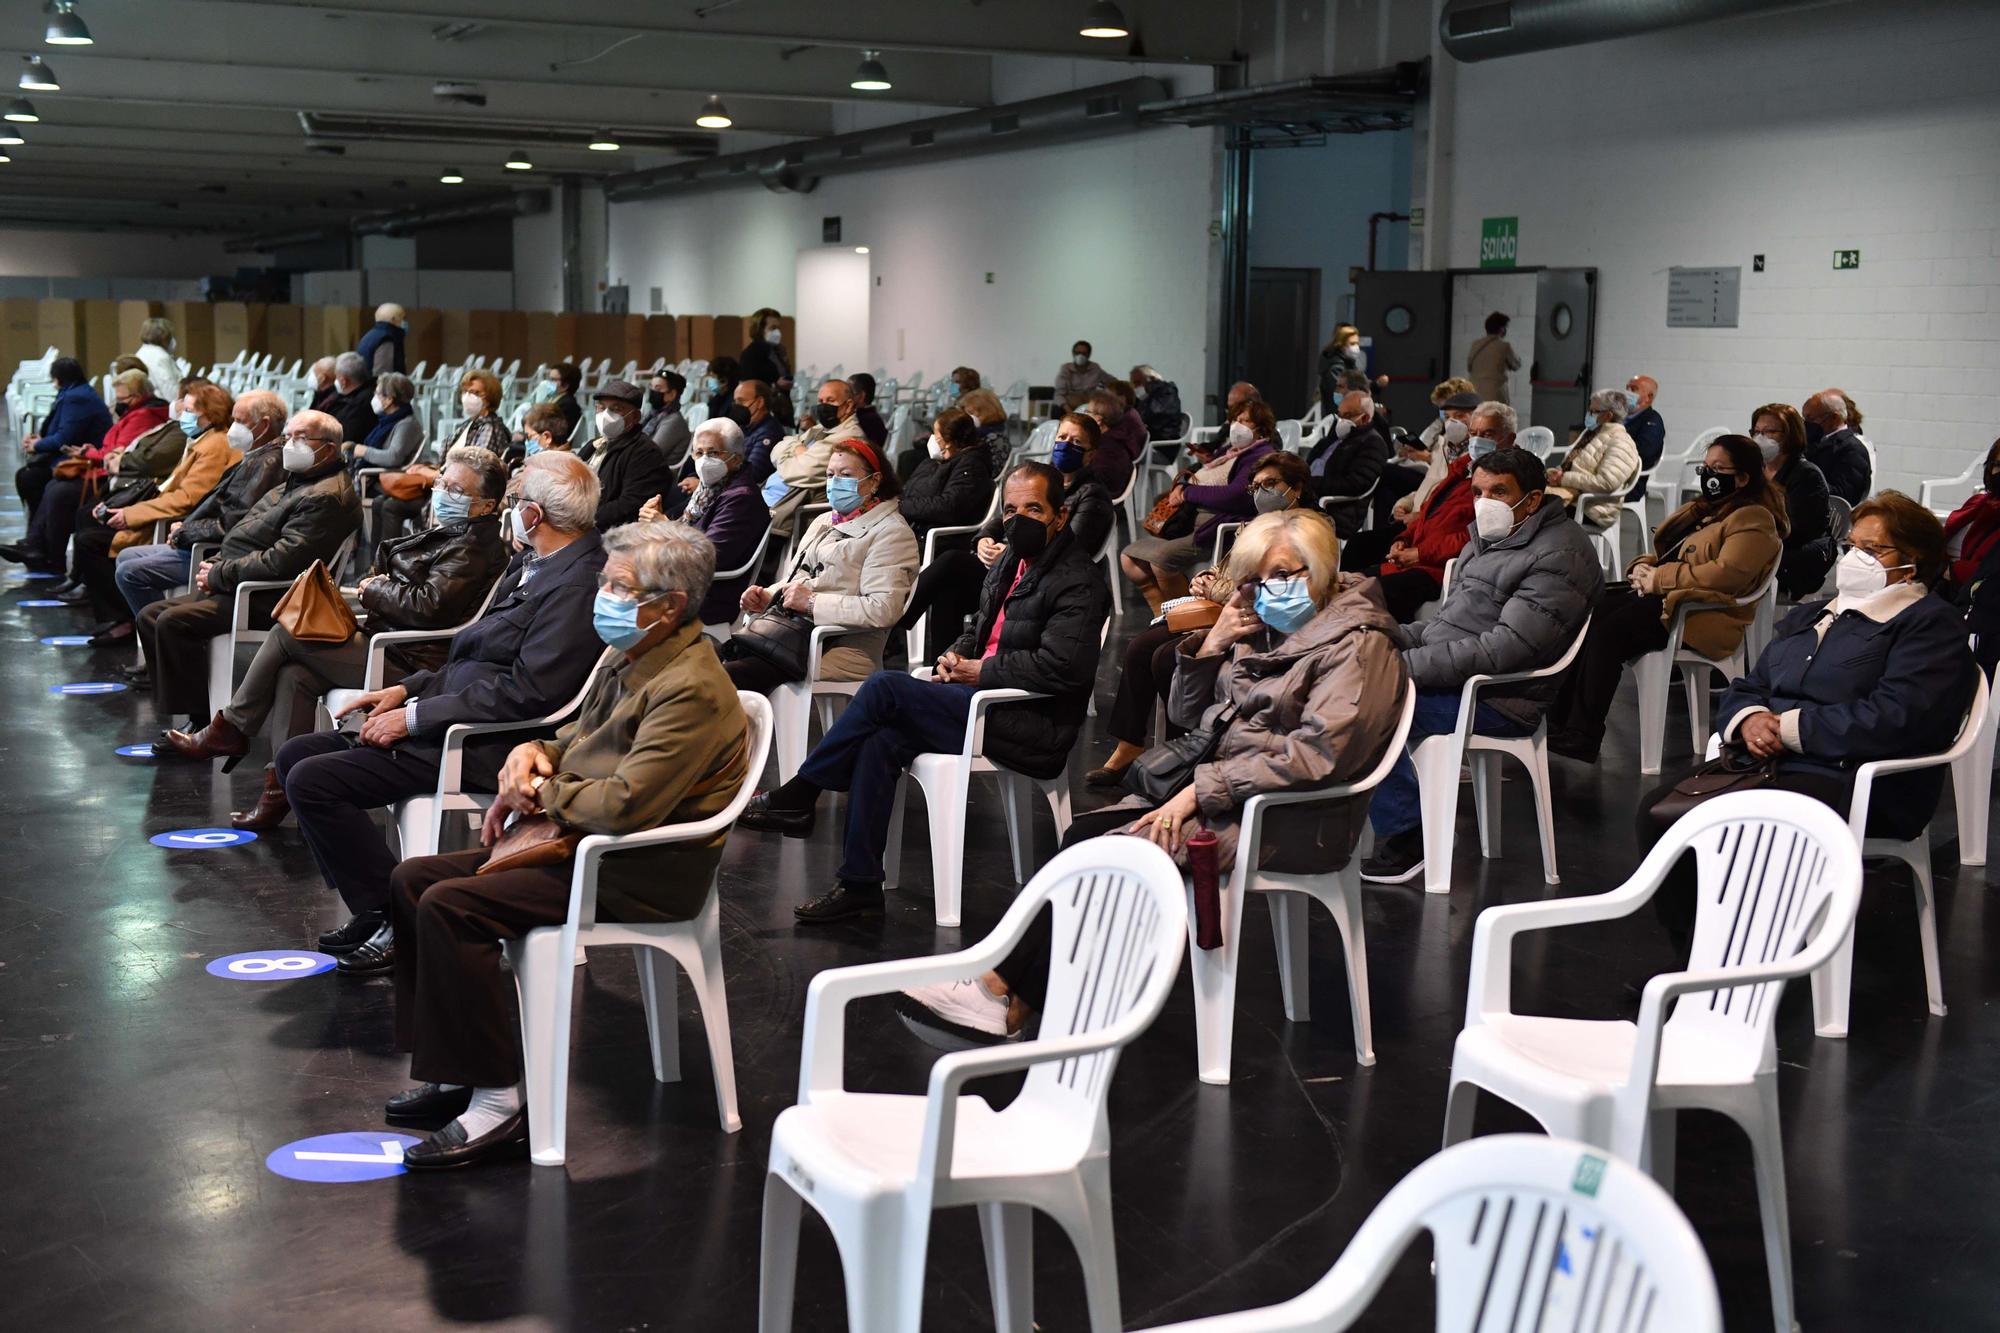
[1649, 434]
[1866, 691]
[526, 657]
[79, 416]
[370, 345]
[1844, 460]
[758, 442]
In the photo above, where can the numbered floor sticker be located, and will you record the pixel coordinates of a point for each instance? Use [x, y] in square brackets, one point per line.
[67, 640]
[90, 687]
[202, 839]
[342, 1158]
[270, 965]
[40, 601]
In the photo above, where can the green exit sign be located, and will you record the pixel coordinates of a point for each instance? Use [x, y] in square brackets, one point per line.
[1847, 259]
[1499, 242]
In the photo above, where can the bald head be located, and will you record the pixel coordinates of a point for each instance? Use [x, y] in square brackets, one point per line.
[1241, 392]
[1358, 408]
[1826, 409]
[1641, 389]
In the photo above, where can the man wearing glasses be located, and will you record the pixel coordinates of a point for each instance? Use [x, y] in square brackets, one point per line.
[305, 518]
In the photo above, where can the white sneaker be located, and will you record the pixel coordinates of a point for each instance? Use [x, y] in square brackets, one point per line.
[963, 1013]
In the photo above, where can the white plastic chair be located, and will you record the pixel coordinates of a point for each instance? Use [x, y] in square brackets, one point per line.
[1653, 672]
[1610, 541]
[946, 780]
[748, 569]
[543, 963]
[1669, 475]
[1289, 435]
[222, 648]
[375, 669]
[1153, 473]
[874, 1165]
[1969, 480]
[1577, 1243]
[915, 637]
[1438, 760]
[794, 702]
[1339, 891]
[1537, 440]
[1778, 881]
[1972, 787]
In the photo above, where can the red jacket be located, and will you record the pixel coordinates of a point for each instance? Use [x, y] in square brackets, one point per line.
[1979, 519]
[1444, 525]
[136, 422]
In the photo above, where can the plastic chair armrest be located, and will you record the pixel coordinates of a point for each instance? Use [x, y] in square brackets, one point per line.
[240, 619]
[1490, 987]
[982, 703]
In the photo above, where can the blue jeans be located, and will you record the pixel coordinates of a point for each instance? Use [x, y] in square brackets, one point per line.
[145, 574]
[894, 718]
[1395, 808]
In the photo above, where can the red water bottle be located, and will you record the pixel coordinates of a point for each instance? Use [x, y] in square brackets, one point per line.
[1207, 889]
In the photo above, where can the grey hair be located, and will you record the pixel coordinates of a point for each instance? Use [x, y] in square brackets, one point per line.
[564, 486]
[723, 431]
[1612, 404]
[1509, 419]
[159, 332]
[666, 557]
[325, 363]
[1148, 372]
[351, 366]
[484, 464]
[324, 426]
[1367, 399]
[263, 407]
[1834, 405]
[396, 386]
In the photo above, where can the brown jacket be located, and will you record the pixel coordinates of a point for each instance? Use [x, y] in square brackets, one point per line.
[200, 468]
[1722, 558]
[659, 741]
[1314, 708]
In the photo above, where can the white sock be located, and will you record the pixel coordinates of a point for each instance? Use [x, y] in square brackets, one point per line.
[490, 1106]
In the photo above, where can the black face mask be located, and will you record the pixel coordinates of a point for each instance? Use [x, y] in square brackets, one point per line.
[1714, 485]
[827, 415]
[1814, 432]
[655, 399]
[1027, 536]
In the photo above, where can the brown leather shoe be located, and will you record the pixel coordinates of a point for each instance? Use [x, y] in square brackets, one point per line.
[218, 740]
[270, 810]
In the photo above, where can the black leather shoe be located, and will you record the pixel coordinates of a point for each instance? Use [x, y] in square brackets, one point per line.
[122, 632]
[792, 823]
[357, 932]
[20, 554]
[840, 903]
[376, 954]
[73, 596]
[449, 1147]
[429, 1104]
[1396, 860]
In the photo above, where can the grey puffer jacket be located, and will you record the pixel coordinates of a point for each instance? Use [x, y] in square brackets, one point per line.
[1515, 604]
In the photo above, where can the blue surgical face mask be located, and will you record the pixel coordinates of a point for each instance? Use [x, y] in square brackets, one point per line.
[1288, 610]
[534, 445]
[190, 423]
[844, 494]
[616, 620]
[1067, 457]
[1590, 421]
[449, 508]
[1481, 446]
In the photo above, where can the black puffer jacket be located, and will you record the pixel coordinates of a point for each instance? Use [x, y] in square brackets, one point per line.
[1049, 643]
[240, 488]
[304, 520]
[949, 492]
[436, 578]
[630, 471]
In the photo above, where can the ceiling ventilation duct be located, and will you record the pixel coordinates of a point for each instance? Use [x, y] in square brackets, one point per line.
[1485, 29]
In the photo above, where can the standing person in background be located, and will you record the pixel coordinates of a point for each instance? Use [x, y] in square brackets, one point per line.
[1078, 377]
[1643, 424]
[381, 348]
[156, 350]
[764, 359]
[76, 421]
[1491, 360]
[873, 428]
[663, 423]
[1341, 355]
[1159, 403]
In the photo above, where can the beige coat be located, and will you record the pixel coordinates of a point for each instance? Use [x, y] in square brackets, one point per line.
[861, 573]
[1603, 462]
[1487, 364]
[200, 468]
[1721, 558]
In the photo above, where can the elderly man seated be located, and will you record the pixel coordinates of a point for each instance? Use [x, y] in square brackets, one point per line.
[352, 403]
[305, 519]
[526, 657]
[799, 461]
[661, 740]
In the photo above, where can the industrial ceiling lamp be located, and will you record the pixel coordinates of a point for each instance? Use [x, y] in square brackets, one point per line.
[518, 161]
[11, 138]
[870, 76]
[66, 27]
[451, 177]
[21, 111]
[603, 142]
[1104, 19]
[38, 77]
[714, 115]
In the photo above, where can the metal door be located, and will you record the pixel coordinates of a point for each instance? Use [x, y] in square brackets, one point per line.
[1565, 344]
[1408, 315]
[1283, 346]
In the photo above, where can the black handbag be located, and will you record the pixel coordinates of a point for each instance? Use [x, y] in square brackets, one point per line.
[1163, 771]
[777, 636]
[131, 492]
[1734, 770]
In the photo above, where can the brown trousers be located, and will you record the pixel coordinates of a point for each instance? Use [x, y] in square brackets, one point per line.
[175, 632]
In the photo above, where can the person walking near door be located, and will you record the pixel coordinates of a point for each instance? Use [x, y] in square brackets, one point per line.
[1491, 360]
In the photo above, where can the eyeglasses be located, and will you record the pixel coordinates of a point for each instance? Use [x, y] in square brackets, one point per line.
[625, 592]
[1276, 585]
[455, 492]
[1267, 487]
[303, 439]
[1886, 556]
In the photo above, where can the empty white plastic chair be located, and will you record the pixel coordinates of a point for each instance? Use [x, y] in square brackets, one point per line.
[1339, 891]
[543, 962]
[794, 702]
[1652, 672]
[874, 1165]
[1537, 440]
[1778, 879]
[1530, 1235]
[1956, 488]
[1972, 787]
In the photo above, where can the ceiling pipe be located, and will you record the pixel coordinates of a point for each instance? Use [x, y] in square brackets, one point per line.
[526, 203]
[1474, 30]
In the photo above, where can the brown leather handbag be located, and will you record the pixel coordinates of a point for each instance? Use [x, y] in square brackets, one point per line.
[1171, 515]
[313, 611]
[530, 840]
[72, 468]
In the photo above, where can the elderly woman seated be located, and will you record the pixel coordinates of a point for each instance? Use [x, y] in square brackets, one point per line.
[722, 500]
[433, 579]
[1214, 492]
[660, 740]
[1881, 671]
[397, 437]
[1307, 657]
[1603, 462]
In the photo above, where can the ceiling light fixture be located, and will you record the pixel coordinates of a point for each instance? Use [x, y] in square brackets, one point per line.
[518, 161]
[4, 158]
[1104, 19]
[602, 142]
[870, 76]
[451, 177]
[38, 77]
[860, 249]
[66, 27]
[11, 138]
[21, 111]
[714, 115]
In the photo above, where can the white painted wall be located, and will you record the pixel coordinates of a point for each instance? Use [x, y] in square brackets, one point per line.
[115, 254]
[1871, 125]
[1474, 296]
[1106, 240]
[833, 287]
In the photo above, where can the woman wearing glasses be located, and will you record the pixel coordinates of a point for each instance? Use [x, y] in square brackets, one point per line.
[433, 579]
[1722, 545]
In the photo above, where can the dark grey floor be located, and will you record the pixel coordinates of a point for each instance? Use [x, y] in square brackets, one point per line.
[140, 1095]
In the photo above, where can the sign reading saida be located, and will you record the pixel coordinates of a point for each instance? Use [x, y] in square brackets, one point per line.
[1499, 242]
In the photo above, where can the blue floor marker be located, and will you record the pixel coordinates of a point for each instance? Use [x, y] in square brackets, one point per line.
[90, 687]
[270, 965]
[342, 1158]
[35, 575]
[136, 751]
[40, 601]
[202, 839]
[67, 640]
